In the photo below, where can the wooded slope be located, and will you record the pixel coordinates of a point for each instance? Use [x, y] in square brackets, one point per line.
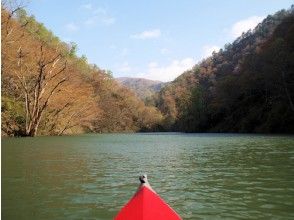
[246, 87]
[48, 90]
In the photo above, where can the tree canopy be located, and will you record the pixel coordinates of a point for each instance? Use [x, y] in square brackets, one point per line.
[48, 90]
[246, 87]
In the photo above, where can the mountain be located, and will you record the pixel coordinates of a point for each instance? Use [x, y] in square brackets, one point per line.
[246, 87]
[143, 88]
[48, 90]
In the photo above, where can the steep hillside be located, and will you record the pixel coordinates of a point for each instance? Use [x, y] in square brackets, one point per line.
[142, 87]
[48, 90]
[246, 87]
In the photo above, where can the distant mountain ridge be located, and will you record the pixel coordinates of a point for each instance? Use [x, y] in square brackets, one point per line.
[143, 88]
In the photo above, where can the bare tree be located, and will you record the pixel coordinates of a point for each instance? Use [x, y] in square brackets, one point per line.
[39, 86]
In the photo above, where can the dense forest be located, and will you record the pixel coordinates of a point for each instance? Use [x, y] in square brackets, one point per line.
[246, 87]
[48, 90]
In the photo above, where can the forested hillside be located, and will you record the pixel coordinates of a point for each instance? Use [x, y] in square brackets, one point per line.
[48, 90]
[144, 88]
[246, 87]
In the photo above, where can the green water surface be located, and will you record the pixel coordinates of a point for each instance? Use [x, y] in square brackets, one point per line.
[202, 176]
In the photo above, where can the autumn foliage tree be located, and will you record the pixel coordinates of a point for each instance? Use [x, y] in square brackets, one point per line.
[48, 90]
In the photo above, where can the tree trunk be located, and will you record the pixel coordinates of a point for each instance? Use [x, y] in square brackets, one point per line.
[36, 102]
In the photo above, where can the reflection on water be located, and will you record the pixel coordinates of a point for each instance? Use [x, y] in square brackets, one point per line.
[202, 176]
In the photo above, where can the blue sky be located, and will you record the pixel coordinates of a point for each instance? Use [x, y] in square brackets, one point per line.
[154, 39]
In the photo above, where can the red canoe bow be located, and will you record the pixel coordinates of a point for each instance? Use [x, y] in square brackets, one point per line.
[146, 205]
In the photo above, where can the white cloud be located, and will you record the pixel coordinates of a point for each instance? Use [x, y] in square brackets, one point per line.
[168, 72]
[125, 68]
[152, 65]
[164, 51]
[208, 49]
[71, 27]
[90, 21]
[87, 6]
[108, 20]
[148, 34]
[98, 16]
[99, 11]
[95, 20]
[244, 25]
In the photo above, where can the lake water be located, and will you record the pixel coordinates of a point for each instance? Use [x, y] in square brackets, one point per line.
[202, 176]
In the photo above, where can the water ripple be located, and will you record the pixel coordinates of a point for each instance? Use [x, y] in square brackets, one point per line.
[202, 176]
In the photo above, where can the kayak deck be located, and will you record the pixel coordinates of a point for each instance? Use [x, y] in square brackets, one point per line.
[147, 205]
